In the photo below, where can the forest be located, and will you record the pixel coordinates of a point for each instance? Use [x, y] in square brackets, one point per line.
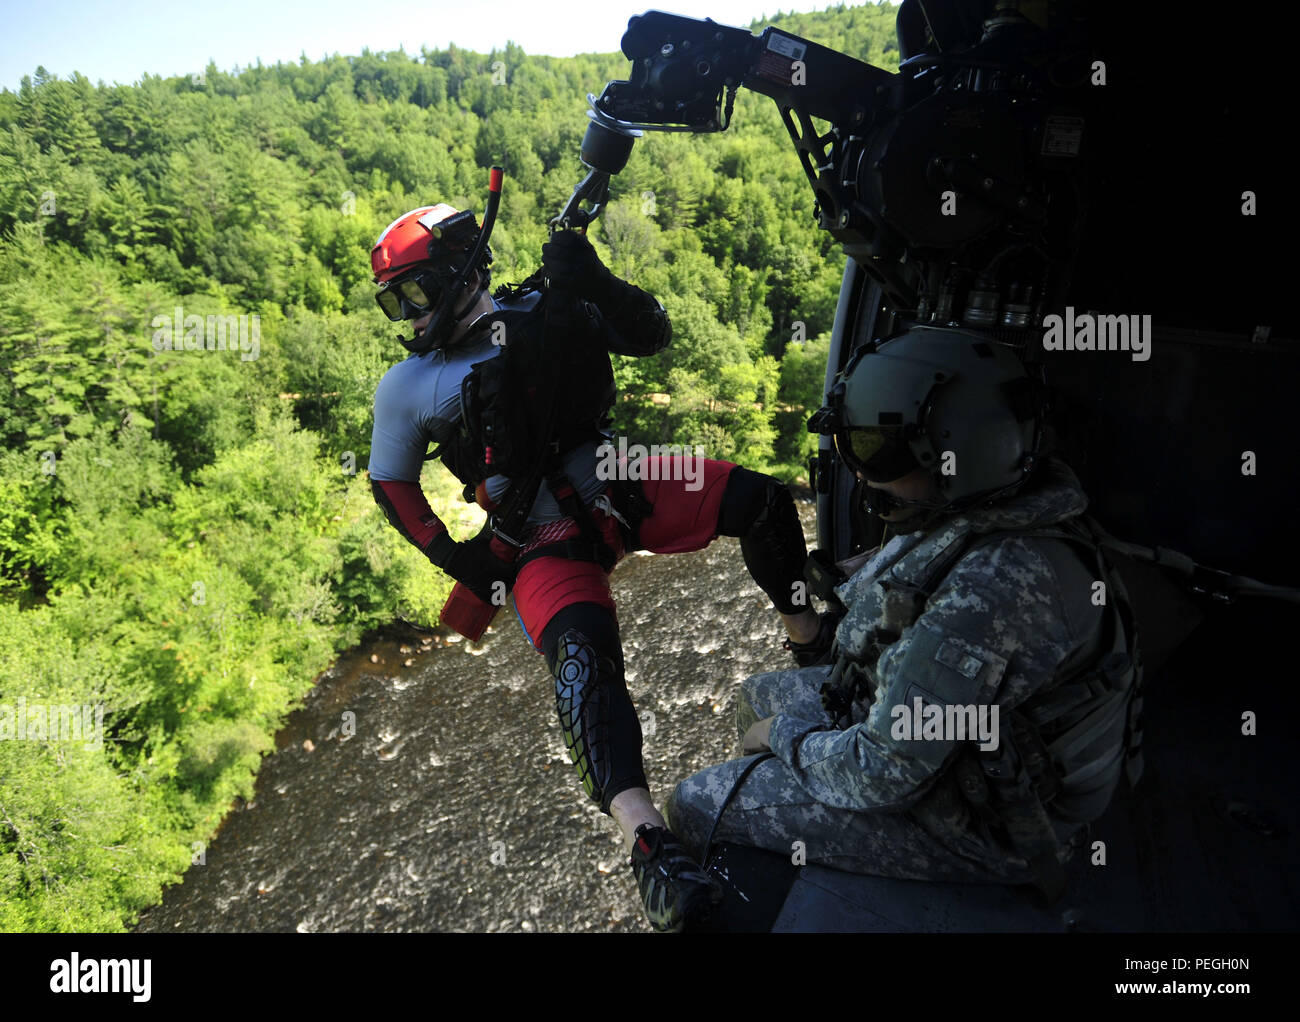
[187, 534]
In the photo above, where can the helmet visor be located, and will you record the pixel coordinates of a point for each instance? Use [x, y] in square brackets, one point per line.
[880, 453]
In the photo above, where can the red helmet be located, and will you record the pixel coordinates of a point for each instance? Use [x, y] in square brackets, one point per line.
[417, 236]
[419, 261]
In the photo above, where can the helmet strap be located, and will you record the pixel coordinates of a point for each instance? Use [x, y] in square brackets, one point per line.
[438, 330]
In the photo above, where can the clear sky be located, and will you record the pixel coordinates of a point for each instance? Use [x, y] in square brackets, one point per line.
[119, 40]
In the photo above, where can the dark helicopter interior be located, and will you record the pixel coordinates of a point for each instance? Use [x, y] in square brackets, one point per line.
[1145, 186]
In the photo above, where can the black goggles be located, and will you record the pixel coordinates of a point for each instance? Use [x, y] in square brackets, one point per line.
[412, 296]
[881, 453]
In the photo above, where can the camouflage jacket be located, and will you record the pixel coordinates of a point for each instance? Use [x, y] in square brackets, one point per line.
[1006, 619]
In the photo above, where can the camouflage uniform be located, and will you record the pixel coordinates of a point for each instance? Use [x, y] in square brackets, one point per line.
[1005, 621]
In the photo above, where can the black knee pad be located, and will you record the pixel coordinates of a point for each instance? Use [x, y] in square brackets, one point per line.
[745, 498]
[601, 731]
[761, 512]
[582, 687]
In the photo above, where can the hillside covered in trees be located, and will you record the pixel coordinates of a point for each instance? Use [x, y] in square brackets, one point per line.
[187, 536]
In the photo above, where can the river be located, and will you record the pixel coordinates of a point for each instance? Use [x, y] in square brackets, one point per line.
[424, 785]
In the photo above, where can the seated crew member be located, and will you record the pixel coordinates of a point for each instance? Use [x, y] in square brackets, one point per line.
[893, 761]
[578, 525]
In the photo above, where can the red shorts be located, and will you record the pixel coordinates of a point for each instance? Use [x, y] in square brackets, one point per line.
[683, 519]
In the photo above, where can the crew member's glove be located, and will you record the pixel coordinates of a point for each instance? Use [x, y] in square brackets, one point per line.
[473, 564]
[570, 263]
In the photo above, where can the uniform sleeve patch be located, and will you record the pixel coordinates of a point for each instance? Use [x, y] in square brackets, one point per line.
[951, 655]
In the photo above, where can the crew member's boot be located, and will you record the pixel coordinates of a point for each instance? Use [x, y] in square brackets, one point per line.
[818, 651]
[676, 892]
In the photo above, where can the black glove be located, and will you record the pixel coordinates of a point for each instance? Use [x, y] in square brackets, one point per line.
[473, 564]
[838, 701]
[571, 264]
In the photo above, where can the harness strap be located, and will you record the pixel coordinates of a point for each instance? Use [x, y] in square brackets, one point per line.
[1021, 813]
[590, 544]
[630, 500]
[1037, 756]
[510, 522]
[571, 550]
[566, 495]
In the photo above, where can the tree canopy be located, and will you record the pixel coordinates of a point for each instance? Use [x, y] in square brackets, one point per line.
[190, 349]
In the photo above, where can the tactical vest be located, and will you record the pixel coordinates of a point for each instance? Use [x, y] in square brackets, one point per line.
[504, 404]
[1067, 745]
